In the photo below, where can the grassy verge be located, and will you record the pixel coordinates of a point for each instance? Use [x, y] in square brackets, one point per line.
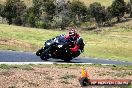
[114, 43]
[31, 66]
[71, 66]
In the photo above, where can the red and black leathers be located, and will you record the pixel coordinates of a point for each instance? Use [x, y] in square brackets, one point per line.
[73, 45]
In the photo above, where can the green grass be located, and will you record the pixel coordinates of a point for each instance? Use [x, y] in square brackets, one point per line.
[12, 87]
[103, 2]
[114, 43]
[87, 2]
[7, 67]
[23, 67]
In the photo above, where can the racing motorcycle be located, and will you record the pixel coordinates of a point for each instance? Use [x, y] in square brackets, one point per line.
[57, 48]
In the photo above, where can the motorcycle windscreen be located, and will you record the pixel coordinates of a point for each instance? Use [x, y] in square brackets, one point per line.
[61, 39]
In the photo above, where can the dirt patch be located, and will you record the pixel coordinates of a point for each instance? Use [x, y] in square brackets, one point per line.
[6, 73]
[54, 77]
[13, 42]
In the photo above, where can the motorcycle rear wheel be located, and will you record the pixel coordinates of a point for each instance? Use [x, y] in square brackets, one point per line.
[67, 59]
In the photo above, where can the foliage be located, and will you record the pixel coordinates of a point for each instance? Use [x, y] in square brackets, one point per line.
[13, 9]
[99, 13]
[118, 9]
[31, 19]
[78, 9]
[47, 10]
[10, 10]
[50, 14]
[128, 8]
[1, 8]
[131, 8]
[37, 5]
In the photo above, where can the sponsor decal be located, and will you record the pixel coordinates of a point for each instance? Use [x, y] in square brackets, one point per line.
[85, 80]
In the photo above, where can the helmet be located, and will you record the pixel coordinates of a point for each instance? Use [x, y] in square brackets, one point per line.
[72, 33]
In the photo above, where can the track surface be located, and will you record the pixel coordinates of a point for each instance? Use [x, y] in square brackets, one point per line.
[15, 56]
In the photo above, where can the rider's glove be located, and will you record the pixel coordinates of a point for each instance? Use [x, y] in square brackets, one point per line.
[75, 49]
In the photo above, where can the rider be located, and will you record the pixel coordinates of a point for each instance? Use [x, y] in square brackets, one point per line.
[76, 42]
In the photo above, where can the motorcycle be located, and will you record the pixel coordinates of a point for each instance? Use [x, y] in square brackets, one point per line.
[57, 48]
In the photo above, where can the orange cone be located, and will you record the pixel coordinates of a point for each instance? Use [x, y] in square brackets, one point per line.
[84, 73]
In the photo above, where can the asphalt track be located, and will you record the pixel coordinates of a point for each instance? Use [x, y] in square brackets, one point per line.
[29, 57]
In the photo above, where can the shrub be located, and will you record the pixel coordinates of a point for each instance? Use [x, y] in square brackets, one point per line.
[118, 8]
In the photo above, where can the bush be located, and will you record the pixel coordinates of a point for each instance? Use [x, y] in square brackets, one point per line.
[31, 19]
[99, 13]
[79, 10]
[130, 8]
[42, 24]
[17, 21]
[13, 9]
[45, 25]
[118, 9]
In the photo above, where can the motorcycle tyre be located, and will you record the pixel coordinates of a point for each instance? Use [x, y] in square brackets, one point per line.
[39, 52]
[44, 56]
[67, 59]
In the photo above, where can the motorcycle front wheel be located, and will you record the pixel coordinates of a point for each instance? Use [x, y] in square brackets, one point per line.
[45, 54]
[38, 53]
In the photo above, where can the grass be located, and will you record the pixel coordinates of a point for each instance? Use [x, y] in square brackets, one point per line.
[67, 76]
[23, 67]
[103, 2]
[31, 67]
[4, 66]
[30, 83]
[49, 78]
[114, 43]
[87, 2]
[12, 87]
[113, 67]
[6, 73]
[65, 82]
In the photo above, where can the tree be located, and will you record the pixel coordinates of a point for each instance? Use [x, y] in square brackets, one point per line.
[2, 14]
[62, 17]
[9, 10]
[49, 7]
[44, 10]
[128, 8]
[13, 9]
[37, 5]
[1, 6]
[78, 10]
[131, 8]
[99, 13]
[118, 9]
[31, 19]
[20, 8]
